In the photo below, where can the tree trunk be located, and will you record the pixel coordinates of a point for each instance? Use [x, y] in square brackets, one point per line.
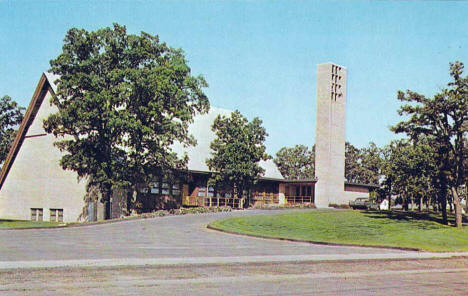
[390, 196]
[420, 203]
[106, 199]
[458, 207]
[443, 208]
[443, 197]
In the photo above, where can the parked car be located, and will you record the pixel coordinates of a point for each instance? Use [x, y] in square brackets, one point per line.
[359, 203]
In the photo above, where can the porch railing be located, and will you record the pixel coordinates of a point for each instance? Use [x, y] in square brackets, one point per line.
[299, 199]
[207, 201]
[266, 198]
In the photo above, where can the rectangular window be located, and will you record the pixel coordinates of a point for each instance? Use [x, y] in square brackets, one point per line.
[53, 215]
[211, 191]
[165, 188]
[175, 190]
[201, 191]
[155, 187]
[56, 215]
[36, 214]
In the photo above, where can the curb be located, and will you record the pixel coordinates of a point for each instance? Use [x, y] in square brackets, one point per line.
[132, 218]
[317, 242]
[102, 222]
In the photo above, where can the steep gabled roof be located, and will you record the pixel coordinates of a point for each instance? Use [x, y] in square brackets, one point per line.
[200, 129]
[42, 87]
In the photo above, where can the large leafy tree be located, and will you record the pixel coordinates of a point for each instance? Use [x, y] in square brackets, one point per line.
[11, 115]
[444, 118]
[122, 101]
[362, 165]
[296, 162]
[409, 170]
[236, 152]
[371, 162]
[352, 163]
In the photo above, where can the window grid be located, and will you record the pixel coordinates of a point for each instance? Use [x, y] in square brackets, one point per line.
[36, 214]
[56, 215]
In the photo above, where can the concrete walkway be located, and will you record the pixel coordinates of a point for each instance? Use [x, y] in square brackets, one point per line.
[116, 262]
[174, 240]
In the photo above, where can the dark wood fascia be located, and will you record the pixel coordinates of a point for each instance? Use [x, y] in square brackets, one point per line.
[41, 89]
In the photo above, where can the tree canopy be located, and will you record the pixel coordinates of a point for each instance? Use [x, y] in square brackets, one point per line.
[122, 100]
[11, 115]
[297, 162]
[361, 165]
[408, 170]
[236, 152]
[444, 118]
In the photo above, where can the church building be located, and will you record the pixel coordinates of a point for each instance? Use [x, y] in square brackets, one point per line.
[33, 186]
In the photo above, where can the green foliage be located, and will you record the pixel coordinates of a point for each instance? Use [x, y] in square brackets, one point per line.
[183, 211]
[11, 224]
[352, 163]
[401, 230]
[444, 118]
[362, 165]
[11, 116]
[297, 162]
[409, 169]
[122, 101]
[237, 150]
[371, 164]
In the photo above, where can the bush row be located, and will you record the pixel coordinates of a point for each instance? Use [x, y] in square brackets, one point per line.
[183, 211]
[285, 206]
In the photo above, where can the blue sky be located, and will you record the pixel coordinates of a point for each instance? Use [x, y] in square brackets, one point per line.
[260, 57]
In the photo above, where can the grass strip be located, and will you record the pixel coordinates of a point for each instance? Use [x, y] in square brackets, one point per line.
[15, 224]
[386, 229]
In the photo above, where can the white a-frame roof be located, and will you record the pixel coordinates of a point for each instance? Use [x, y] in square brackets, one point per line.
[200, 129]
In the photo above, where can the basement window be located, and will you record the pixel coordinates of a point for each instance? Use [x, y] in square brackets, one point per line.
[56, 215]
[36, 214]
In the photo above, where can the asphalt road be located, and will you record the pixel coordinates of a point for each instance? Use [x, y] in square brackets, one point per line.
[177, 255]
[163, 237]
[401, 277]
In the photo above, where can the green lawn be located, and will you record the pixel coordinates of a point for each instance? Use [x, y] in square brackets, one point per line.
[26, 224]
[404, 230]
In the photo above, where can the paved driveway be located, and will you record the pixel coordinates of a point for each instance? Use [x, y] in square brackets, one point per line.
[163, 237]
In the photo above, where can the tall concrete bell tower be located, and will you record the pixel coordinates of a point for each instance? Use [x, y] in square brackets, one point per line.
[330, 134]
